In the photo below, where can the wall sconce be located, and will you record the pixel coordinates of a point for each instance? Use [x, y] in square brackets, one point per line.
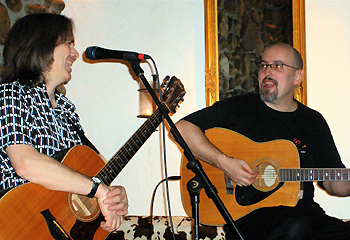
[146, 104]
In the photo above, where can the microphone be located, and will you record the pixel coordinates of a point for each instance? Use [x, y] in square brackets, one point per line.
[96, 53]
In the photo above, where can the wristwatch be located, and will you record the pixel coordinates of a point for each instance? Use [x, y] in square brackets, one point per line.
[96, 182]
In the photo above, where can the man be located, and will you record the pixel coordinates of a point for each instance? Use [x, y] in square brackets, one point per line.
[274, 115]
[37, 122]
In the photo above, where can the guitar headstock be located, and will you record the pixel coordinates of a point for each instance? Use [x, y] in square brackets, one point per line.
[173, 92]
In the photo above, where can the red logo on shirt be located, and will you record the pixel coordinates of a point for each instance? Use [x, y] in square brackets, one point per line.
[296, 141]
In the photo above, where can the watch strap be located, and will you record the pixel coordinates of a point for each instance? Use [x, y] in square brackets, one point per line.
[93, 189]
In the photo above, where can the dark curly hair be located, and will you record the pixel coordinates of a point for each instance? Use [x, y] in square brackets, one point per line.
[29, 47]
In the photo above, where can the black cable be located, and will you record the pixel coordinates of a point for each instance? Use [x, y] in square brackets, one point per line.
[172, 178]
[156, 77]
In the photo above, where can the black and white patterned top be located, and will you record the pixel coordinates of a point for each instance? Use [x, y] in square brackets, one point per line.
[27, 117]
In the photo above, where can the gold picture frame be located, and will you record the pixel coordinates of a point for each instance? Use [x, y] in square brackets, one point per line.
[211, 49]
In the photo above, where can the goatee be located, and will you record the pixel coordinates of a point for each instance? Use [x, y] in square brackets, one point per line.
[266, 96]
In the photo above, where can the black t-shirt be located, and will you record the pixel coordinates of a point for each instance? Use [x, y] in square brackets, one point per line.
[251, 117]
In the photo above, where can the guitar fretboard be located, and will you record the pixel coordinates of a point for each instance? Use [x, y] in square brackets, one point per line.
[313, 174]
[129, 149]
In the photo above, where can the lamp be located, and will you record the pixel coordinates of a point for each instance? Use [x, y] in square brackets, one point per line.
[146, 104]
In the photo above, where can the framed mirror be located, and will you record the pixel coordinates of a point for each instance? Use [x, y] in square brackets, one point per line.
[213, 87]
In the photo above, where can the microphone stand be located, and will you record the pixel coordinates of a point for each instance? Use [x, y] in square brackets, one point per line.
[201, 180]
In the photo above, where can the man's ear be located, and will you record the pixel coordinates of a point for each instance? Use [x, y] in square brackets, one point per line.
[298, 78]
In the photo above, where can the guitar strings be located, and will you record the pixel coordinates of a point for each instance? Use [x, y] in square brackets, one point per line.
[305, 174]
[120, 159]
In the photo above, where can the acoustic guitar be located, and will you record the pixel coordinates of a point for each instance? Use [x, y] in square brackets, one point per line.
[31, 211]
[278, 181]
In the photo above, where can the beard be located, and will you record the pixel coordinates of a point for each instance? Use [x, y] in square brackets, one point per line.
[266, 95]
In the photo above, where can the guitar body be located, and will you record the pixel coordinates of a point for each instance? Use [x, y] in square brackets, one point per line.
[78, 215]
[265, 157]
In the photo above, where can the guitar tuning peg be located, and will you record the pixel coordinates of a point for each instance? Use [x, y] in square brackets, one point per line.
[167, 78]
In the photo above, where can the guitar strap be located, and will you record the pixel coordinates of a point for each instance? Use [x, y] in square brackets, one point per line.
[60, 154]
[82, 136]
[85, 140]
[3, 192]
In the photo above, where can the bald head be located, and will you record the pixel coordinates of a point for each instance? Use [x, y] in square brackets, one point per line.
[297, 60]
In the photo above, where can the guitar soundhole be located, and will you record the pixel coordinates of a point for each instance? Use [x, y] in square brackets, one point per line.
[84, 208]
[267, 177]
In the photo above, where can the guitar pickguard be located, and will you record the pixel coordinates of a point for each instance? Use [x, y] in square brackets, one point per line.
[246, 196]
[86, 230]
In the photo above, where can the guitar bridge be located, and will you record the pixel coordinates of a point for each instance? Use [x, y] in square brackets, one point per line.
[301, 194]
[55, 229]
[229, 185]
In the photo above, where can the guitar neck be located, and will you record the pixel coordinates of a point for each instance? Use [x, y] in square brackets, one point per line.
[313, 174]
[129, 149]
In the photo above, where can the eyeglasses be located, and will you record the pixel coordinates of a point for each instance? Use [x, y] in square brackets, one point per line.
[278, 67]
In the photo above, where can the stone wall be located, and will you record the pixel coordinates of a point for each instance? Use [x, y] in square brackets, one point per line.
[246, 28]
[11, 10]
